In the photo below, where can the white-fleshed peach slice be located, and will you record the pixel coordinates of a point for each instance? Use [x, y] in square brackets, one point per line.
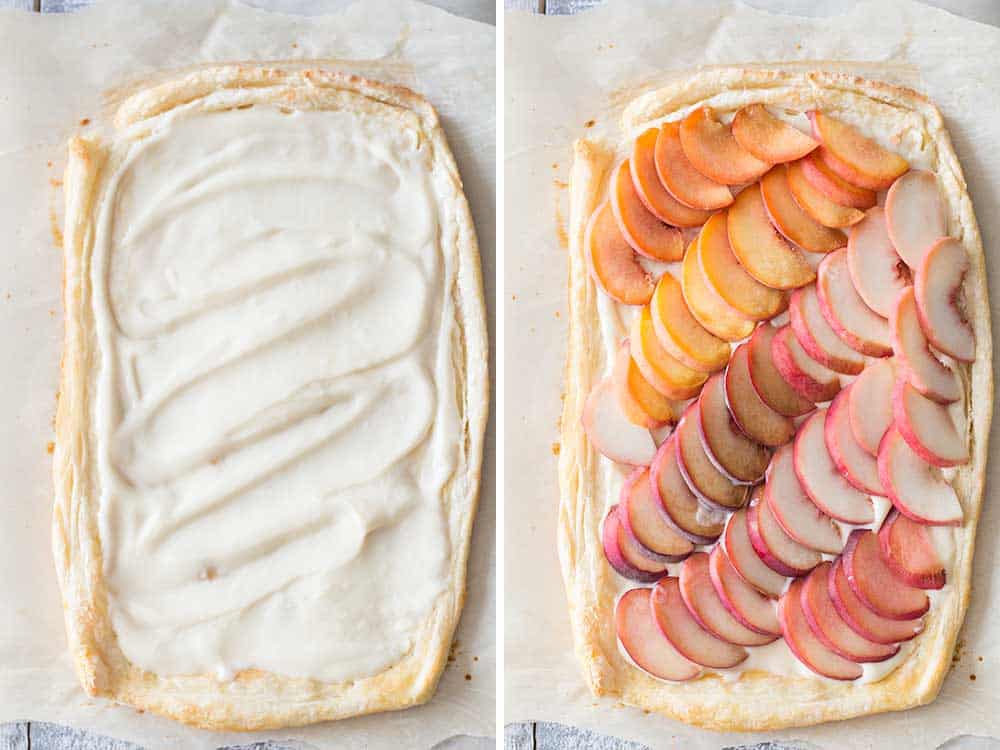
[643, 521]
[642, 230]
[678, 505]
[707, 608]
[651, 191]
[685, 183]
[914, 213]
[710, 146]
[745, 560]
[822, 481]
[623, 553]
[857, 325]
[791, 220]
[804, 375]
[740, 458]
[927, 427]
[908, 549]
[854, 463]
[807, 648]
[644, 643]
[937, 287]
[753, 417]
[875, 584]
[797, 515]
[664, 373]
[640, 402]
[861, 619]
[612, 261]
[768, 138]
[917, 362]
[751, 608]
[855, 158]
[914, 486]
[768, 382]
[679, 626]
[610, 431]
[878, 273]
[817, 337]
[707, 307]
[679, 332]
[830, 184]
[705, 480]
[816, 203]
[773, 545]
[870, 404]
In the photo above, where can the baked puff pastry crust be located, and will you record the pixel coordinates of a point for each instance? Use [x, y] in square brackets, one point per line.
[255, 699]
[757, 700]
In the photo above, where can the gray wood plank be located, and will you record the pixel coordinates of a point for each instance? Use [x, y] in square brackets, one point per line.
[14, 736]
[568, 7]
[45, 736]
[63, 6]
[19, 4]
[519, 737]
[532, 6]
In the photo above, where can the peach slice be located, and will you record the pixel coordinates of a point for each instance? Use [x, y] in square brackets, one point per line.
[817, 337]
[679, 626]
[610, 431]
[753, 417]
[815, 202]
[878, 273]
[788, 218]
[727, 278]
[807, 377]
[926, 373]
[807, 648]
[707, 307]
[643, 521]
[761, 250]
[822, 481]
[612, 261]
[665, 374]
[651, 191]
[915, 215]
[745, 560]
[646, 234]
[640, 402]
[862, 620]
[641, 638]
[829, 627]
[768, 138]
[683, 337]
[711, 148]
[794, 511]
[679, 176]
[857, 159]
[768, 381]
[937, 285]
[927, 427]
[854, 463]
[703, 478]
[857, 325]
[678, 505]
[707, 608]
[870, 404]
[913, 485]
[624, 554]
[827, 182]
[752, 609]
[773, 545]
[908, 549]
[875, 584]
[739, 457]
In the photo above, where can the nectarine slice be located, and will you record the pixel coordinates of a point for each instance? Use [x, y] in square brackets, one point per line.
[651, 191]
[680, 507]
[767, 381]
[919, 365]
[680, 628]
[742, 459]
[829, 183]
[854, 157]
[775, 547]
[878, 273]
[681, 179]
[870, 404]
[610, 431]
[745, 560]
[751, 608]
[707, 307]
[643, 521]
[915, 215]
[822, 481]
[857, 325]
[862, 620]
[908, 549]
[623, 553]
[794, 511]
[816, 203]
[806, 376]
[875, 584]
[768, 138]
[663, 372]
[937, 287]
[817, 337]
[914, 486]
[612, 260]
[640, 402]
[754, 418]
[789, 219]
[680, 333]
[703, 478]
[854, 463]
[641, 229]
[807, 648]
[644, 643]
[711, 148]
[927, 427]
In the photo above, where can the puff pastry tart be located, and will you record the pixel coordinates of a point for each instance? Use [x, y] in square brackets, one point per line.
[273, 399]
[777, 404]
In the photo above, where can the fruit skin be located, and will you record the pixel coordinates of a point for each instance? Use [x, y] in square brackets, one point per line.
[943, 322]
[685, 183]
[739, 550]
[917, 362]
[711, 148]
[769, 138]
[767, 381]
[938, 443]
[613, 540]
[927, 499]
[816, 203]
[856, 159]
[612, 262]
[886, 596]
[680, 334]
[839, 300]
[761, 524]
[651, 191]
[909, 552]
[609, 430]
[792, 362]
[791, 220]
[635, 491]
[830, 184]
[757, 614]
[807, 648]
[680, 628]
[862, 620]
[642, 230]
[816, 336]
[641, 638]
[915, 215]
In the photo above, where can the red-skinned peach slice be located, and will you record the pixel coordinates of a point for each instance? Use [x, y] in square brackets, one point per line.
[862, 620]
[913, 485]
[857, 325]
[797, 515]
[768, 138]
[707, 307]
[815, 202]
[829, 627]
[623, 553]
[804, 375]
[641, 229]
[854, 463]
[755, 419]
[917, 363]
[857, 159]
[700, 474]
[706, 607]
[641, 404]
[643, 521]
[875, 584]
[773, 545]
[788, 217]
[651, 191]
[679, 176]
[767, 381]
[827, 182]
[664, 373]
[927, 427]
[817, 337]
[751, 608]
[878, 273]
[821, 479]
[612, 261]
[742, 459]
[678, 505]
[711, 148]
[807, 648]
[914, 213]
[745, 560]
[728, 279]
[937, 286]
[762, 251]
[683, 337]
[610, 431]
[870, 404]
[908, 549]
[644, 643]
[679, 627]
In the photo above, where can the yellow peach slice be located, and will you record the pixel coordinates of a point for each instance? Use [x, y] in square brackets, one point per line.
[664, 373]
[759, 247]
[680, 333]
[768, 138]
[640, 402]
[644, 232]
[708, 308]
[832, 186]
[789, 218]
[729, 280]
[816, 204]
[857, 159]
[612, 261]
[711, 148]
[651, 191]
[679, 176]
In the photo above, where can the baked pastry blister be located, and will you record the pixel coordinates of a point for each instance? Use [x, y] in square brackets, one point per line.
[778, 398]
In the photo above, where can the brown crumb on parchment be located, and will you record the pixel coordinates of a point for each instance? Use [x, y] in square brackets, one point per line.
[972, 677]
[468, 676]
[50, 448]
[84, 122]
[589, 123]
[555, 449]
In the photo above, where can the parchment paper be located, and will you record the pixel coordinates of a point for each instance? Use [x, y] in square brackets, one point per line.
[562, 73]
[53, 70]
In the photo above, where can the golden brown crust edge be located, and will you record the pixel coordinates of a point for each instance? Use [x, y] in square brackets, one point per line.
[256, 699]
[758, 701]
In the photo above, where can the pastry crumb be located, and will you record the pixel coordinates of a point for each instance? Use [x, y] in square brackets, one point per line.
[589, 123]
[50, 448]
[85, 121]
[468, 676]
[555, 449]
